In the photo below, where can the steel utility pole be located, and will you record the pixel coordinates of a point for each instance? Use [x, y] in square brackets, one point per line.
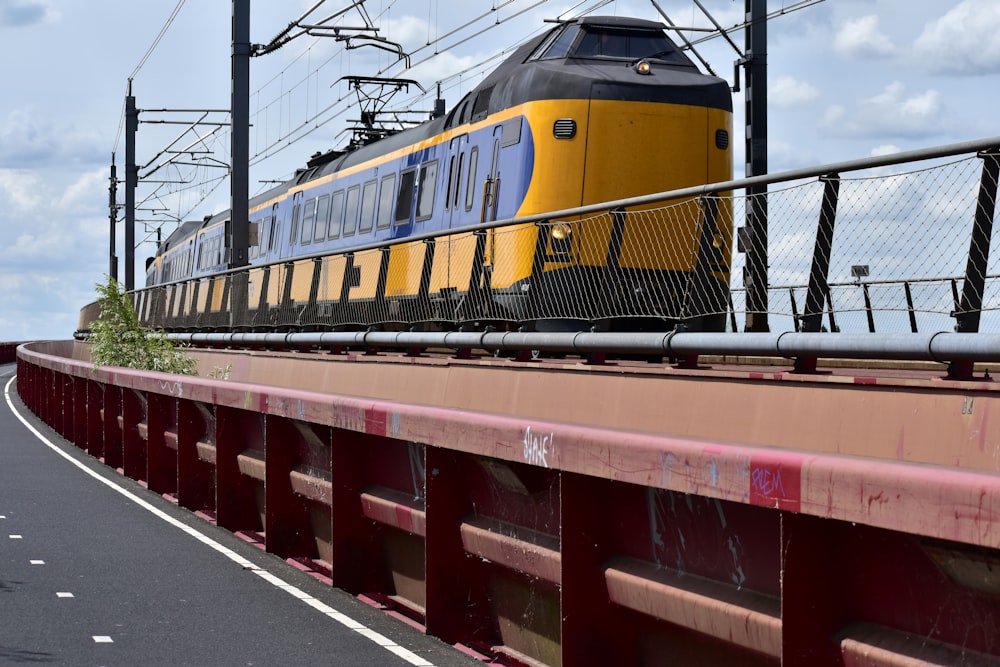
[239, 225]
[239, 219]
[131, 181]
[113, 216]
[755, 277]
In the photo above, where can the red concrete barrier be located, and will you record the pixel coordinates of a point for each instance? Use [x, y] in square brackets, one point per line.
[8, 353]
[549, 542]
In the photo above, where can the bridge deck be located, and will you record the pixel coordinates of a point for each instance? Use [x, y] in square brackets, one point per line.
[575, 514]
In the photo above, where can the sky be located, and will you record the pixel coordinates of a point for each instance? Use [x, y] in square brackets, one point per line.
[846, 79]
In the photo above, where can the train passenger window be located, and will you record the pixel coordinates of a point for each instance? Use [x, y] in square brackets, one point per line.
[458, 180]
[425, 191]
[470, 181]
[264, 239]
[308, 221]
[351, 213]
[336, 214]
[254, 239]
[322, 217]
[482, 104]
[295, 224]
[451, 179]
[385, 197]
[404, 201]
[368, 206]
[275, 225]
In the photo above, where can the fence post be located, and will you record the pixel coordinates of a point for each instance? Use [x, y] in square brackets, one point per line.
[703, 287]
[970, 307]
[812, 316]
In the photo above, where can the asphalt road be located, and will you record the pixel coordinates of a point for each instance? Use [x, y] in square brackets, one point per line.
[97, 570]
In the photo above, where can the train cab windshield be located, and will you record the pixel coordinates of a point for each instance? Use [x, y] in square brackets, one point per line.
[600, 41]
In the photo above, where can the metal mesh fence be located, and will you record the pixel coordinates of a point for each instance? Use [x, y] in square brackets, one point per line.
[898, 254]
[890, 249]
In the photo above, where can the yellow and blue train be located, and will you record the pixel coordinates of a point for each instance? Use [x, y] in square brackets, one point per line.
[597, 109]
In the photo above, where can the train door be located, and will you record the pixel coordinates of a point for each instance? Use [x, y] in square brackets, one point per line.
[457, 159]
[491, 194]
[288, 244]
[491, 188]
[480, 292]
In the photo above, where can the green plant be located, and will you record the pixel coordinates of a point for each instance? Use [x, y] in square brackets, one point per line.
[221, 372]
[118, 339]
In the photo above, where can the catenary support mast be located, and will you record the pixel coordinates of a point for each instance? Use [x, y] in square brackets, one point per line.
[131, 181]
[240, 108]
[756, 273]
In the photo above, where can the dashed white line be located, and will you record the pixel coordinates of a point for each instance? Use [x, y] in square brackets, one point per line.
[64, 594]
[37, 562]
[103, 639]
[330, 612]
[14, 537]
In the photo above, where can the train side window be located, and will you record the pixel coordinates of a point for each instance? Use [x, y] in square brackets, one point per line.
[482, 104]
[308, 221]
[275, 226]
[336, 214]
[452, 174]
[368, 206]
[322, 217]
[265, 235]
[404, 200]
[254, 247]
[425, 191]
[458, 180]
[470, 182]
[385, 197]
[295, 224]
[351, 212]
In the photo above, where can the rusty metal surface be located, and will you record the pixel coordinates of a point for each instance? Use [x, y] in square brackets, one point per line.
[562, 513]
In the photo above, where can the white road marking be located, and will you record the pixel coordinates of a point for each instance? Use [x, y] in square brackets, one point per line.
[63, 594]
[14, 537]
[340, 617]
[103, 639]
[37, 562]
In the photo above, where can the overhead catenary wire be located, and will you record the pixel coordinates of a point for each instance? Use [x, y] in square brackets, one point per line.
[281, 120]
[142, 62]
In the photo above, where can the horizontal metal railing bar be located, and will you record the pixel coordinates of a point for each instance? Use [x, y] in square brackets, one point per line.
[659, 197]
[877, 282]
[941, 347]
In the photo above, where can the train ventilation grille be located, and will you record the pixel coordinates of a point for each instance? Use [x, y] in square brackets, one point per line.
[564, 128]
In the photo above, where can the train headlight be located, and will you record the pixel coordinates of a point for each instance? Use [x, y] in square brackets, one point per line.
[643, 67]
[561, 235]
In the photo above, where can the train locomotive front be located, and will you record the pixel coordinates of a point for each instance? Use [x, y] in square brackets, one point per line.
[616, 110]
[595, 110]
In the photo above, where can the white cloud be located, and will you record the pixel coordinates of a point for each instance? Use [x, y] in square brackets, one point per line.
[861, 38]
[788, 91]
[19, 190]
[31, 137]
[892, 113]
[963, 41]
[884, 149]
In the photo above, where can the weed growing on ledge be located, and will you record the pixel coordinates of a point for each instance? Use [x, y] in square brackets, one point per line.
[117, 338]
